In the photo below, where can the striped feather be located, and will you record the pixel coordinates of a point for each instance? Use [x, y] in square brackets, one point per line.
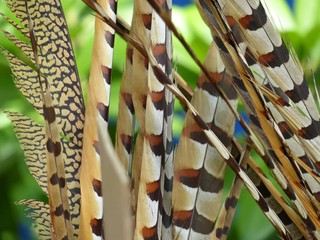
[199, 170]
[91, 225]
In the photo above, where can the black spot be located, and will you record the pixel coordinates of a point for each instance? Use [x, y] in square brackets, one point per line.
[231, 202]
[62, 182]
[59, 211]
[54, 179]
[66, 214]
[49, 114]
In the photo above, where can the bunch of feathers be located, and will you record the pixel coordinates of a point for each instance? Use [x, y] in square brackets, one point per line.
[145, 187]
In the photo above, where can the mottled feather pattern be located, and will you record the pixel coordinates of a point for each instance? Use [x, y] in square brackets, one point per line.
[40, 213]
[32, 140]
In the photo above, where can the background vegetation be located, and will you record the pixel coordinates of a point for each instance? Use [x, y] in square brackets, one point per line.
[298, 20]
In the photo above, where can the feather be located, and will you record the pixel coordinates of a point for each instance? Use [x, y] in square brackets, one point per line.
[91, 224]
[31, 136]
[40, 213]
[199, 170]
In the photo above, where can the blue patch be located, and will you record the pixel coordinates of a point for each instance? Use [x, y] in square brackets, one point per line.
[291, 3]
[238, 131]
[182, 3]
[24, 231]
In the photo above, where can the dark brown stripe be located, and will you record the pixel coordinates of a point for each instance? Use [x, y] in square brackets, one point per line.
[308, 132]
[209, 183]
[113, 5]
[276, 58]
[160, 75]
[263, 205]
[126, 141]
[150, 233]
[159, 52]
[166, 219]
[130, 55]
[307, 161]
[106, 73]
[156, 144]
[249, 57]
[310, 224]
[290, 193]
[188, 177]
[205, 84]
[146, 63]
[65, 238]
[96, 184]
[182, 218]
[264, 190]
[103, 111]
[285, 130]
[96, 226]
[49, 114]
[144, 101]
[128, 101]
[109, 38]
[299, 92]
[317, 196]
[194, 132]
[256, 20]
[222, 135]
[170, 107]
[158, 99]
[254, 120]
[285, 219]
[220, 45]
[169, 146]
[201, 224]
[228, 87]
[147, 19]
[168, 183]
[153, 190]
